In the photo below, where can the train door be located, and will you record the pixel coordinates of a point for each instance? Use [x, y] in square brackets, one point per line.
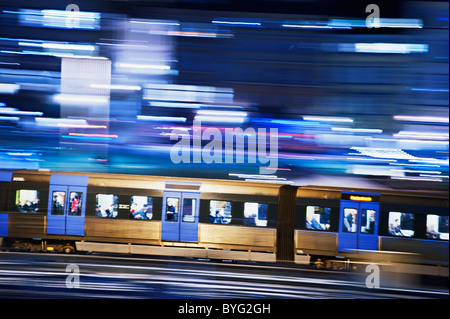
[67, 205]
[358, 223]
[180, 216]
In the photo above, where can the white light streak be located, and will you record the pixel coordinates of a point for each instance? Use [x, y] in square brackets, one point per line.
[74, 98]
[356, 130]
[427, 119]
[161, 118]
[116, 87]
[144, 66]
[9, 88]
[328, 119]
[305, 26]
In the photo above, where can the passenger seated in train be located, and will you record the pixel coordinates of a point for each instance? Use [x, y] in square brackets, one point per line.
[144, 213]
[395, 229]
[312, 223]
[217, 217]
[28, 206]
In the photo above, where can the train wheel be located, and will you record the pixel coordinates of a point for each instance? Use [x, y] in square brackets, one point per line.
[68, 249]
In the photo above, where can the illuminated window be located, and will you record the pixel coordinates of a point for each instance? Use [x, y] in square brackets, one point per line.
[255, 214]
[58, 203]
[141, 207]
[219, 212]
[401, 224]
[318, 218]
[27, 201]
[107, 205]
[437, 227]
[350, 218]
[368, 221]
[172, 209]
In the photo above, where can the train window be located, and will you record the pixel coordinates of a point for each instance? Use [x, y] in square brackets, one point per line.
[141, 207]
[350, 217]
[368, 221]
[401, 224]
[219, 212]
[27, 201]
[58, 203]
[318, 217]
[172, 206]
[76, 201]
[189, 209]
[437, 227]
[107, 205]
[255, 214]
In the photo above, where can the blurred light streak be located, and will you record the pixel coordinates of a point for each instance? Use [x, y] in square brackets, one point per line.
[279, 169]
[116, 87]
[306, 26]
[9, 118]
[422, 119]
[60, 46]
[238, 22]
[328, 119]
[193, 34]
[268, 177]
[67, 123]
[405, 141]
[428, 90]
[94, 135]
[161, 118]
[13, 111]
[175, 105]
[359, 158]
[75, 98]
[87, 138]
[222, 119]
[417, 178]
[222, 113]
[8, 88]
[422, 135]
[373, 171]
[384, 152]
[268, 181]
[2, 104]
[58, 19]
[19, 154]
[383, 23]
[356, 130]
[144, 66]
[385, 48]
[414, 171]
[156, 22]
[414, 165]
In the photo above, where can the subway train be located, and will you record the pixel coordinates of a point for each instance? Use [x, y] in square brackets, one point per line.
[219, 219]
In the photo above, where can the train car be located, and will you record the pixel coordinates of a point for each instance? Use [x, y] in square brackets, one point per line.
[391, 226]
[219, 219]
[139, 214]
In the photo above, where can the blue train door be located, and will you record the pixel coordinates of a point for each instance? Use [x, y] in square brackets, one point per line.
[180, 216]
[358, 222]
[66, 205]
